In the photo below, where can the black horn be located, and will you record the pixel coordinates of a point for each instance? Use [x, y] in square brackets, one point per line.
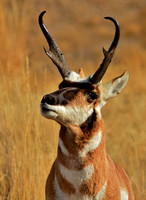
[54, 52]
[107, 54]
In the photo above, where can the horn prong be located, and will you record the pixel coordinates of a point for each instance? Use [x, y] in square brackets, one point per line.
[54, 52]
[108, 55]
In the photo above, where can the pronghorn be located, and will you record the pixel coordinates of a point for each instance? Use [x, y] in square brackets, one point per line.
[83, 170]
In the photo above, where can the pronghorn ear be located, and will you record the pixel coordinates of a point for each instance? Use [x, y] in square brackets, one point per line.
[115, 86]
[81, 73]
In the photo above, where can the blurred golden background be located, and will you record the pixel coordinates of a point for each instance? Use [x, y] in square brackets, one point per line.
[28, 142]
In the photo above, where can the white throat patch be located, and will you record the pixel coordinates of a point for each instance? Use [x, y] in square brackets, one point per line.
[124, 194]
[92, 144]
[62, 147]
[78, 196]
[77, 177]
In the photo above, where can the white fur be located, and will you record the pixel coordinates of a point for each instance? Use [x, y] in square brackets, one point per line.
[101, 193]
[98, 108]
[77, 196]
[92, 144]
[77, 177]
[71, 114]
[62, 147]
[59, 194]
[124, 194]
[73, 76]
[49, 114]
[114, 87]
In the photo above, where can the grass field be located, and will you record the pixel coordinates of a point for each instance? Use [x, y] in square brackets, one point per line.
[28, 142]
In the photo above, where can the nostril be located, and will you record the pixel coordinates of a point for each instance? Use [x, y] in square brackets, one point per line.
[48, 99]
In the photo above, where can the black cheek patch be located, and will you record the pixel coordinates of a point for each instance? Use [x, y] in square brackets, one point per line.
[88, 125]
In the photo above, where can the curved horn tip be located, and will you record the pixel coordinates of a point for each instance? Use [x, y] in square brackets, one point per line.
[41, 16]
[112, 19]
[43, 12]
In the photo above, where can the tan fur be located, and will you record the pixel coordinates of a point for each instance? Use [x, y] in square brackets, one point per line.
[81, 73]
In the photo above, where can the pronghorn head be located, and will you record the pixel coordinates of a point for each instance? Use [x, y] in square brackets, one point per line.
[79, 97]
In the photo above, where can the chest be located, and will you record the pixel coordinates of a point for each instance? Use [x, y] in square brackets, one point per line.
[77, 179]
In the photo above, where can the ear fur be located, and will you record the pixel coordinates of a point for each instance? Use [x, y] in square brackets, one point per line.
[115, 86]
[81, 73]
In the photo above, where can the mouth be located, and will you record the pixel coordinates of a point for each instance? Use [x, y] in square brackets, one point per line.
[45, 108]
[48, 112]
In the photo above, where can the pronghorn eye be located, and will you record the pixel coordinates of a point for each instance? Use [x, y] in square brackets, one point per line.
[92, 95]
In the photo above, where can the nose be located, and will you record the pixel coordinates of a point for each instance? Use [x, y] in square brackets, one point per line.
[49, 99]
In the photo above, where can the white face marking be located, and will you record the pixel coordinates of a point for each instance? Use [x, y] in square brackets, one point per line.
[124, 194]
[62, 147]
[92, 144]
[77, 177]
[101, 193]
[98, 108]
[71, 114]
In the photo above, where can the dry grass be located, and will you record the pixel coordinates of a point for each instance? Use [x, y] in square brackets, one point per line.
[28, 142]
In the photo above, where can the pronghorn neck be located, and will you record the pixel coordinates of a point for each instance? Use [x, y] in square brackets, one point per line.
[82, 141]
[81, 159]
